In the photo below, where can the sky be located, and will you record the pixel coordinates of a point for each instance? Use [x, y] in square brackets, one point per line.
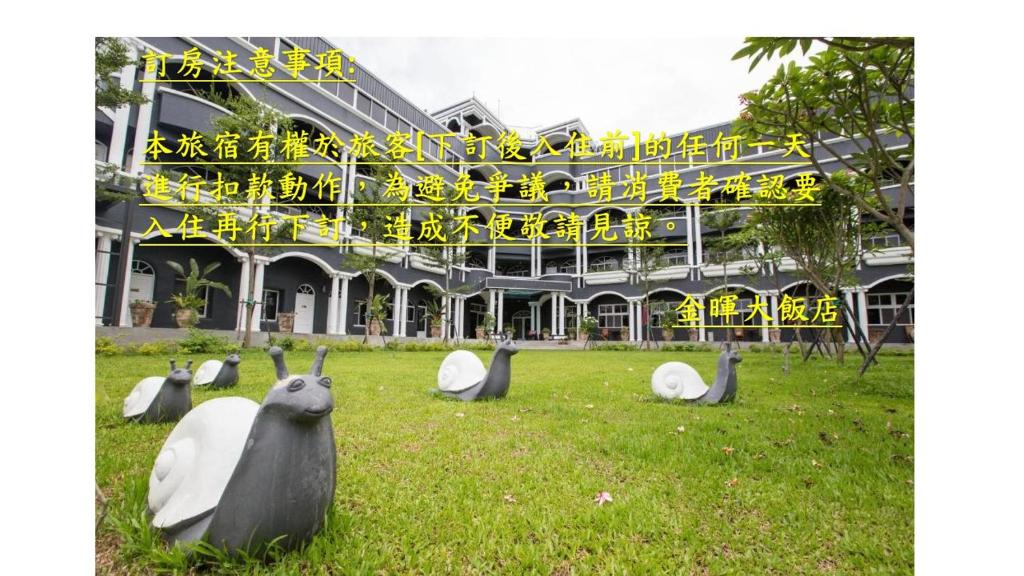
[651, 85]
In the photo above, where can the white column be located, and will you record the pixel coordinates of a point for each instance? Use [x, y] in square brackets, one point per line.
[402, 306]
[143, 124]
[332, 306]
[554, 313]
[764, 326]
[396, 310]
[774, 299]
[102, 273]
[631, 318]
[257, 311]
[699, 250]
[690, 235]
[533, 316]
[243, 293]
[848, 295]
[561, 314]
[127, 255]
[501, 311]
[701, 332]
[119, 135]
[343, 307]
[492, 302]
[862, 310]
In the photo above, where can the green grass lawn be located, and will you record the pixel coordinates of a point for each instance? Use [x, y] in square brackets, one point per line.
[807, 473]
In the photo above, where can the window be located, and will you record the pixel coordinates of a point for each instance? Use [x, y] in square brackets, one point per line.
[516, 270]
[604, 264]
[742, 309]
[675, 257]
[883, 307]
[612, 315]
[361, 313]
[568, 267]
[101, 151]
[880, 241]
[271, 301]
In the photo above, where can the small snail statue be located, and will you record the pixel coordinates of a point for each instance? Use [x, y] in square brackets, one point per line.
[462, 375]
[217, 374]
[160, 399]
[674, 380]
[242, 475]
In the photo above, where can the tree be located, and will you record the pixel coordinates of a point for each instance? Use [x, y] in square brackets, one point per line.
[111, 56]
[857, 89]
[647, 258]
[721, 220]
[823, 241]
[248, 119]
[444, 221]
[375, 216]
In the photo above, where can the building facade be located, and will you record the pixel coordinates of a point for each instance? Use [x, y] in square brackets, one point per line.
[535, 287]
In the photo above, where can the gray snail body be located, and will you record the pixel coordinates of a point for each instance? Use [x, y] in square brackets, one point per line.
[677, 380]
[157, 399]
[280, 483]
[463, 376]
[218, 374]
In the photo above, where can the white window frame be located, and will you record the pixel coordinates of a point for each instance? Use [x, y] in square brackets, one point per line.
[606, 312]
[603, 264]
[887, 301]
[263, 306]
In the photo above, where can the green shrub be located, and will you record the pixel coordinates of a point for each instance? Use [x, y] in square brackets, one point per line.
[107, 347]
[155, 348]
[200, 342]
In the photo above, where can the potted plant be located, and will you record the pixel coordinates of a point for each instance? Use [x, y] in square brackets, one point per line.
[775, 335]
[485, 327]
[510, 330]
[545, 333]
[186, 309]
[142, 313]
[588, 327]
[436, 316]
[187, 302]
[624, 333]
[285, 321]
[377, 312]
[668, 324]
[693, 334]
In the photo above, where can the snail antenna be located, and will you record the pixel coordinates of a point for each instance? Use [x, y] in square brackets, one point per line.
[728, 346]
[278, 355]
[318, 362]
[173, 367]
[188, 365]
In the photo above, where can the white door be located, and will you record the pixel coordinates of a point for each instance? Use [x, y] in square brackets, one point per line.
[140, 286]
[305, 306]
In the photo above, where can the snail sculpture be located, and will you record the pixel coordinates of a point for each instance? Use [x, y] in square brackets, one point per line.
[462, 375]
[242, 475]
[218, 374]
[160, 399]
[674, 380]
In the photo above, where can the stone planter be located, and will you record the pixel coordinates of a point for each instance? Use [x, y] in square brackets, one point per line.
[775, 335]
[909, 329]
[435, 330]
[374, 327]
[185, 317]
[624, 333]
[666, 334]
[285, 321]
[142, 313]
[480, 333]
[693, 334]
[545, 335]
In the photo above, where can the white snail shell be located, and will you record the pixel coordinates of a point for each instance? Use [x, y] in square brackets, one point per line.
[677, 380]
[206, 372]
[142, 396]
[459, 371]
[198, 458]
